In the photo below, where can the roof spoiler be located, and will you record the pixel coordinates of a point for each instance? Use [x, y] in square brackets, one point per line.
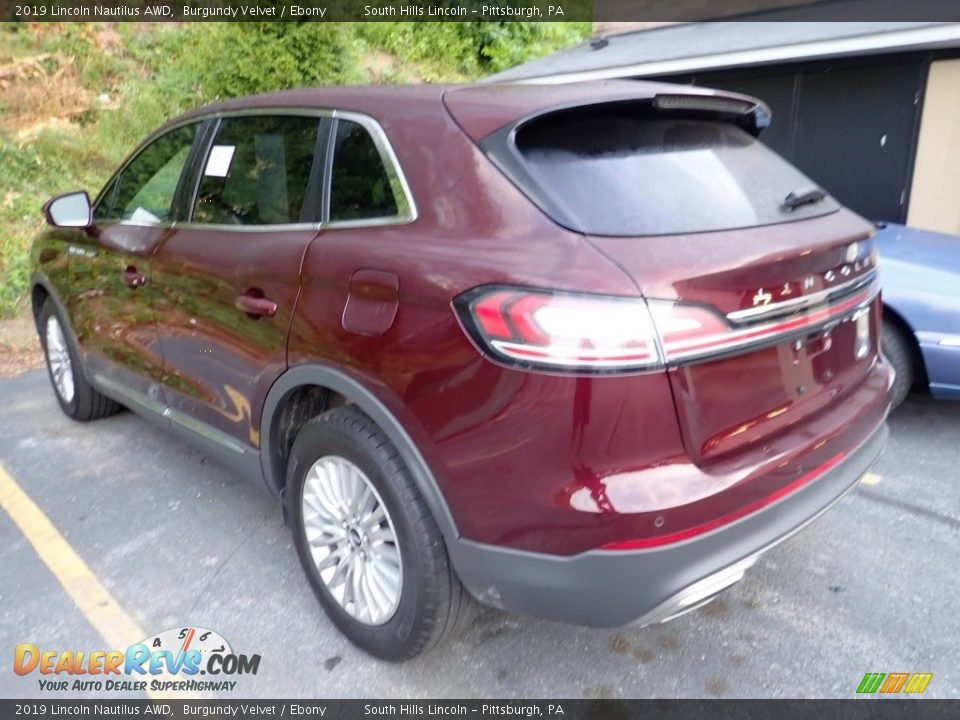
[750, 114]
[746, 112]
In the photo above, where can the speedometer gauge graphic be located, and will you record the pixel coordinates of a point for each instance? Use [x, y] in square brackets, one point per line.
[180, 641]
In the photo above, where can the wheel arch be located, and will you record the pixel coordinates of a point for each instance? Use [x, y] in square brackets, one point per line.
[272, 456]
[38, 296]
[41, 290]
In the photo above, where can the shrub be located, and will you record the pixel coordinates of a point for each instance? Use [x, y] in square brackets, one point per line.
[240, 59]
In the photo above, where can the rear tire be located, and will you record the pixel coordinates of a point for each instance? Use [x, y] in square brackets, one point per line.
[76, 396]
[344, 537]
[896, 348]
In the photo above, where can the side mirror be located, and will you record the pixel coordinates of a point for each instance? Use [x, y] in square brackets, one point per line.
[69, 211]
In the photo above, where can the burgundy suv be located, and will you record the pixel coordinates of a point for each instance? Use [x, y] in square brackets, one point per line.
[579, 351]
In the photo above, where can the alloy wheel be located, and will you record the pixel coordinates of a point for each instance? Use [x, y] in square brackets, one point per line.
[352, 540]
[58, 357]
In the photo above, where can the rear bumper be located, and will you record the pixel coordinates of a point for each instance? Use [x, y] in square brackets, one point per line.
[608, 588]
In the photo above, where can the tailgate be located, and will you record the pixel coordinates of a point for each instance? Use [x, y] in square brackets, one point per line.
[763, 291]
[797, 311]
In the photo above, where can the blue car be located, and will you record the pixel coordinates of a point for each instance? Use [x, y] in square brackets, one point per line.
[920, 272]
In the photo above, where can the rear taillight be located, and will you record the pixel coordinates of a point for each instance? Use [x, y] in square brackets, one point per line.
[591, 333]
[561, 330]
[694, 332]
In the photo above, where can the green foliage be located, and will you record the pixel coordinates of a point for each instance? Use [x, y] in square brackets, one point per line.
[458, 51]
[33, 172]
[15, 277]
[147, 74]
[244, 58]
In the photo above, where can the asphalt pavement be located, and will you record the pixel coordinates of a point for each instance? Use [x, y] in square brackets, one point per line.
[872, 586]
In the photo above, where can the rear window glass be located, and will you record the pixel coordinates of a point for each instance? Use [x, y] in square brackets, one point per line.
[359, 187]
[619, 172]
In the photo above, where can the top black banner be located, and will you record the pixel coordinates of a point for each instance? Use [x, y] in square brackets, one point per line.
[608, 11]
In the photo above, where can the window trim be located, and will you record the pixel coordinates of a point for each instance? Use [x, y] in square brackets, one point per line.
[315, 198]
[406, 206]
[110, 187]
[190, 182]
[216, 120]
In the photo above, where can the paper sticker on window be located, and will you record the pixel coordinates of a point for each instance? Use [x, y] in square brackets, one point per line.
[220, 158]
[142, 215]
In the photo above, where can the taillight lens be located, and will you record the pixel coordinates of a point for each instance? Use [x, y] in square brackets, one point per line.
[561, 330]
[591, 333]
[694, 332]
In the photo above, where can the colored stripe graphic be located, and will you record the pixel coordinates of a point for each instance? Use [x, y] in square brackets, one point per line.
[894, 683]
[871, 682]
[918, 682]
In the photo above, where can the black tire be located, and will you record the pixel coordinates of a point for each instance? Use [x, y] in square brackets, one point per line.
[85, 403]
[433, 605]
[896, 348]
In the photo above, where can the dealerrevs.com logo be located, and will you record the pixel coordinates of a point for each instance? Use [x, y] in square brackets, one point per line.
[169, 661]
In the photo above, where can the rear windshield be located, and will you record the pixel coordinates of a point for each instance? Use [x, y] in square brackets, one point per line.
[619, 172]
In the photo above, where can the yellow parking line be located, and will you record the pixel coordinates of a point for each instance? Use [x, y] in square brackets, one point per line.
[871, 479]
[96, 603]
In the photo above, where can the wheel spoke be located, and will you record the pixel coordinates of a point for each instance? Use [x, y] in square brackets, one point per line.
[337, 556]
[376, 599]
[330, 497]
[389, 571]
[365, 498]
[380, 535]
[342, 573]
[312, 501]
[327, 533]
[378, 515]
[356, 591]
[345, 490]
[388, 553]
[320, 500]
[357, 488]
[379, 587]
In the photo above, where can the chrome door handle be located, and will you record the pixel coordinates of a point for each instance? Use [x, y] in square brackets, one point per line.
[132, 278]
[255, 305]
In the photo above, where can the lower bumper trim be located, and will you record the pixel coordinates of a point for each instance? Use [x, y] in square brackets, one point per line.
[609, 588]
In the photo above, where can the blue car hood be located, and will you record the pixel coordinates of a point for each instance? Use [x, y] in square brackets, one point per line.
[919, 247]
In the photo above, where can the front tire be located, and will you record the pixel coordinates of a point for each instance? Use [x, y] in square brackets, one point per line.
[367, 542]
[76, 396]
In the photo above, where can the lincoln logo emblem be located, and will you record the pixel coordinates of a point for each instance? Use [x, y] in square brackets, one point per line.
[762, 298]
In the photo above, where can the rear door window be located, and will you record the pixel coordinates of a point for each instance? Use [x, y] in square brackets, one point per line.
[360, 184]
[616, 171]
[259, 171]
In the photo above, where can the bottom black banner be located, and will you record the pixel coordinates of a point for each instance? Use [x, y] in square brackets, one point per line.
[915, 709]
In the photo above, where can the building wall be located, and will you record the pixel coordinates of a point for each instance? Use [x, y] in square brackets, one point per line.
[850, 124]
[935, 193]
[668, 12]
